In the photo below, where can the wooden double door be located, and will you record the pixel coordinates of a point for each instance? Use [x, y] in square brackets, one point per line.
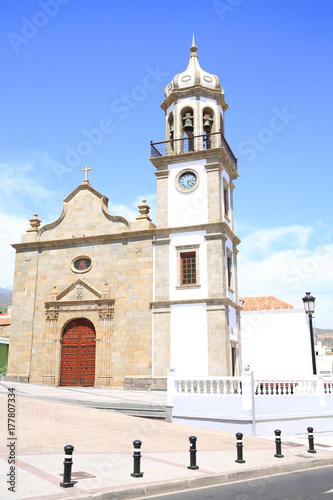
[78, 353]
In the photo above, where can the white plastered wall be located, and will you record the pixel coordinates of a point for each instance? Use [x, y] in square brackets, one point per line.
[276, 343]
[188, 339]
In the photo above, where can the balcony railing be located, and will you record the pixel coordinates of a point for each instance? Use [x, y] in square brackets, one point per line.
[193, 143]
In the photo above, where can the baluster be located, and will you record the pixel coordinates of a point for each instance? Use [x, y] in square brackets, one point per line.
[236, 387]
[272, 386]
[205, 386]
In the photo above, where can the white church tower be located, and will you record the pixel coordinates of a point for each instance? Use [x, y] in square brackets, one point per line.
[195, 300]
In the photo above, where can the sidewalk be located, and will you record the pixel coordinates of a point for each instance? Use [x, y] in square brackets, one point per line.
[102, 459]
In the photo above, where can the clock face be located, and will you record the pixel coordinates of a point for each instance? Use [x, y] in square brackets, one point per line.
[187, 180]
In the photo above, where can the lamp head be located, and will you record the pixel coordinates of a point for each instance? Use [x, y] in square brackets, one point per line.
[309, 303]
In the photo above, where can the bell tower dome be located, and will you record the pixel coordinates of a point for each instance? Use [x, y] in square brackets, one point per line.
[194, 103]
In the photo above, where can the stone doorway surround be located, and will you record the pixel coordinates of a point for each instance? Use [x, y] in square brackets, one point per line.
[79, 300]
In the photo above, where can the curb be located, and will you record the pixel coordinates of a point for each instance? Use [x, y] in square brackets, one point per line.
[199, 482]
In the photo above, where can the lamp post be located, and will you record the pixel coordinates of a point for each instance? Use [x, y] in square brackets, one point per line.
[309, 306]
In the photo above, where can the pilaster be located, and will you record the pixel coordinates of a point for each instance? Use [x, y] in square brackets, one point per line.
[216, 274]
[161, 267]
[214, 200]
[161, 341]
[162, 198]
[218, 340]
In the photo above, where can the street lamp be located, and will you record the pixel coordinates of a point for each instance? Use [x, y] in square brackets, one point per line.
[309, 306]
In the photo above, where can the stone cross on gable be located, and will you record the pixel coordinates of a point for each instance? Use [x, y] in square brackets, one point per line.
[86, 171]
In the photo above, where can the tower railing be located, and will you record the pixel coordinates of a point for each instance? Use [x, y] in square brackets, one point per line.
[192, 143]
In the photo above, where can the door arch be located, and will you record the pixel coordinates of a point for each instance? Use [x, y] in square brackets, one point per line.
[78, 353]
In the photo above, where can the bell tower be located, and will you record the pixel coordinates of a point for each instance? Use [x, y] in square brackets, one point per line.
[195, 308]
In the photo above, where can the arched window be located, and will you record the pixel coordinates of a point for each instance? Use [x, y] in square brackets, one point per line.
[187, 119]
[208, 120]
[171, 131]
[222, 125]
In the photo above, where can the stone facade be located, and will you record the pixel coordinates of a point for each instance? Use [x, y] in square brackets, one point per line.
[114, 294]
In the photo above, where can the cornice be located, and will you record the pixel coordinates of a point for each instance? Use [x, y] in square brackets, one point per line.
[215, 155]
[216, 301]
[194, 91]
[123, 237]
[101, 238]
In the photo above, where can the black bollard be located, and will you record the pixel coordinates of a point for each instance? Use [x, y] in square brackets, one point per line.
[239, 446]
[278, 453]
[193, 453]
[311, 440]
[68, 462]
[136, 459]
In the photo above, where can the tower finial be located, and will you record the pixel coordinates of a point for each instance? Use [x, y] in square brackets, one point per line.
[193, 47]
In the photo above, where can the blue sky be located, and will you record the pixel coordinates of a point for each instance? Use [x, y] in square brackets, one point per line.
[72, 67]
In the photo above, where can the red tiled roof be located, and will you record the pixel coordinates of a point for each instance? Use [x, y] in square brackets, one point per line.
[261, 303]
[4, 320]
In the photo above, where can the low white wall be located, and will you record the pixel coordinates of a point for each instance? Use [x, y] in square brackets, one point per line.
[258, 407]
[290, 414]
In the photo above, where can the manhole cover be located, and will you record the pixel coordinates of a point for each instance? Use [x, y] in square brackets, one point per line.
[80, 475]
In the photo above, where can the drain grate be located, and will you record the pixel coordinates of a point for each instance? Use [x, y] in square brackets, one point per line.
[304, 456]
[289, 443]
[80, 475]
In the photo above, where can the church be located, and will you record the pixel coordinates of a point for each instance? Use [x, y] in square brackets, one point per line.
[102, 301]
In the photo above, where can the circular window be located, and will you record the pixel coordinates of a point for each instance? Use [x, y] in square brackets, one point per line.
[187, 181]
[81, 264]
[186, 78]
[208, 78]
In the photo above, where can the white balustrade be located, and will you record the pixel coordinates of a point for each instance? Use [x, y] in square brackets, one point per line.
[223, 386]
[232, 386]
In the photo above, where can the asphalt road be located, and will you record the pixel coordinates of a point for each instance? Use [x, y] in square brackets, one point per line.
[315, 484]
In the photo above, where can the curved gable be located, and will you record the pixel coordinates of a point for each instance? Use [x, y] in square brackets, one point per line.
[85, 213]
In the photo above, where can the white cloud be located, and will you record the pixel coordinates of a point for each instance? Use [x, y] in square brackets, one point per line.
[261, 242]
[130, 212]
[289, 273]
[20, 178]
[122, 210]
[11, 228]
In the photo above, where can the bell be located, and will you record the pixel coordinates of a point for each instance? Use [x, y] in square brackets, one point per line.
[188, 125]
[207, 123]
